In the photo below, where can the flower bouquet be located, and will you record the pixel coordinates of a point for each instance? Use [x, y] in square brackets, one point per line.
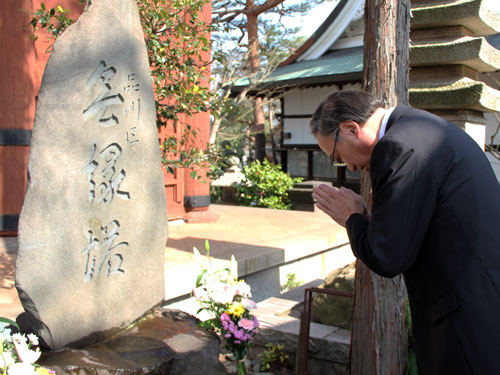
[227, 300]
[18, 352]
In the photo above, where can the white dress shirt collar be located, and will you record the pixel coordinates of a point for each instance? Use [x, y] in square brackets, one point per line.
[383, 125]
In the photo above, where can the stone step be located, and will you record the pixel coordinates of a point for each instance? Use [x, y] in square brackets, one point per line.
[328, 345]
[301, 195]
[266, 272]
[267, 245]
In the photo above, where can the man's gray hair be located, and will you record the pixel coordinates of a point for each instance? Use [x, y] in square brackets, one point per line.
[348, 105]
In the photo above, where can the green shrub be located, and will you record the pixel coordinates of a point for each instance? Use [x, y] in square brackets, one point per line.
[265, 185]
[292, 282]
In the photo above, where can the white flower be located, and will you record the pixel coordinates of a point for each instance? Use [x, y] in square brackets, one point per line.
[222, 294]
[199, 293]
[197, 256]
[22, 368]
[243, 289]
[23, 351]
[6, 359]
[5, 335]
[17, 337]
[248, 304]
[33, 339]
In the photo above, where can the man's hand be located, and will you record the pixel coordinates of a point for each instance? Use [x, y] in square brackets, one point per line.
[339, 204]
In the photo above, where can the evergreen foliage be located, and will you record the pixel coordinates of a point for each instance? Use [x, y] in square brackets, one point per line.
[265, 185]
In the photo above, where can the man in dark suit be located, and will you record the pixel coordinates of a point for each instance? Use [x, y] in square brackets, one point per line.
[435, 218]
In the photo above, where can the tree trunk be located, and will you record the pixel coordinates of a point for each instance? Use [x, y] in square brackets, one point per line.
[270, 130]
[379, 333]
[214, 130]
[254, 60]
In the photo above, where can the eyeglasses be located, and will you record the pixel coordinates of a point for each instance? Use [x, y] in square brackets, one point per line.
[334, 162]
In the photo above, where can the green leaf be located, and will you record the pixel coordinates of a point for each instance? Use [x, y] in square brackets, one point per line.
[200, 277]
[10, 322]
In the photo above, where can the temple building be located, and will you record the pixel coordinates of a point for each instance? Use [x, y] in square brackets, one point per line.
[454, 72]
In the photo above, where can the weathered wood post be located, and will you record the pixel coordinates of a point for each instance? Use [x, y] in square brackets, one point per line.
[379, 334]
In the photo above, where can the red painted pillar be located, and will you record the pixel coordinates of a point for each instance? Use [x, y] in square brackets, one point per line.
[23, 62]
[197, 192]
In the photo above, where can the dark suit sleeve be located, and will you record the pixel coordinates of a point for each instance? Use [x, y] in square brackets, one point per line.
[404, 197]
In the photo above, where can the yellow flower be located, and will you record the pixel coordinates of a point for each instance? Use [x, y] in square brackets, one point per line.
[236, 309]
[43, 371]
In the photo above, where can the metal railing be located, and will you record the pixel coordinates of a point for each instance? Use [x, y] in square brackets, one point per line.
[305, 323]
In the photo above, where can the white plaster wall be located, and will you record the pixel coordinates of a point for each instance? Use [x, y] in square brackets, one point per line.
[477, 133]
[312, 98]
[491, 126]
[302, 103]
[293, 102]
[492, 79]
[495, 164]
[353, 86]
[294, 126]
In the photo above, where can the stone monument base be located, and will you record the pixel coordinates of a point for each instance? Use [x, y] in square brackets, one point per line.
[165, 341]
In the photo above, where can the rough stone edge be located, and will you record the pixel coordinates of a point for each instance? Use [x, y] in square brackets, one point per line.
[31, 317]
[479, 96]
[474, 15]
[480, 55]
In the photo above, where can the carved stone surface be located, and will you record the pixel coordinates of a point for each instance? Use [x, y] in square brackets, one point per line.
[93, 227]
[163, 342]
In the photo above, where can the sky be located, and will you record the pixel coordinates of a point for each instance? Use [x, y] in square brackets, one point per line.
[312, 20]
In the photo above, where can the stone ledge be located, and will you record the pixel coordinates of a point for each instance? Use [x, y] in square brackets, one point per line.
[183, 274]
[461, 94]
[473, 14]
[475, 53]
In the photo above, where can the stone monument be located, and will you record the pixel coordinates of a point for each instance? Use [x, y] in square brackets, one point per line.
[93, 227]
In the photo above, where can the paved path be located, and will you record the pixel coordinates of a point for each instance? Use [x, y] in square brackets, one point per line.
[257, 237]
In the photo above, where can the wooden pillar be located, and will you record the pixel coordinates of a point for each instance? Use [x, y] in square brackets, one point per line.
[379, 334]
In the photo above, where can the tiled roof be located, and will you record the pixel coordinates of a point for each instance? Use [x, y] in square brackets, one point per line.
[337, 66]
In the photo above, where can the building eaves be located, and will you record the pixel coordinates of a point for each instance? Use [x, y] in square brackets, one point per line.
[318, 34]
[334, 67]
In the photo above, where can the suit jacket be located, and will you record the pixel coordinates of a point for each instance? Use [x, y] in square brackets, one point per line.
[436, 219]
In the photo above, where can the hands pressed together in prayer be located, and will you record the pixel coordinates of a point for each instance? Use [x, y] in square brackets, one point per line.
[339, 204]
